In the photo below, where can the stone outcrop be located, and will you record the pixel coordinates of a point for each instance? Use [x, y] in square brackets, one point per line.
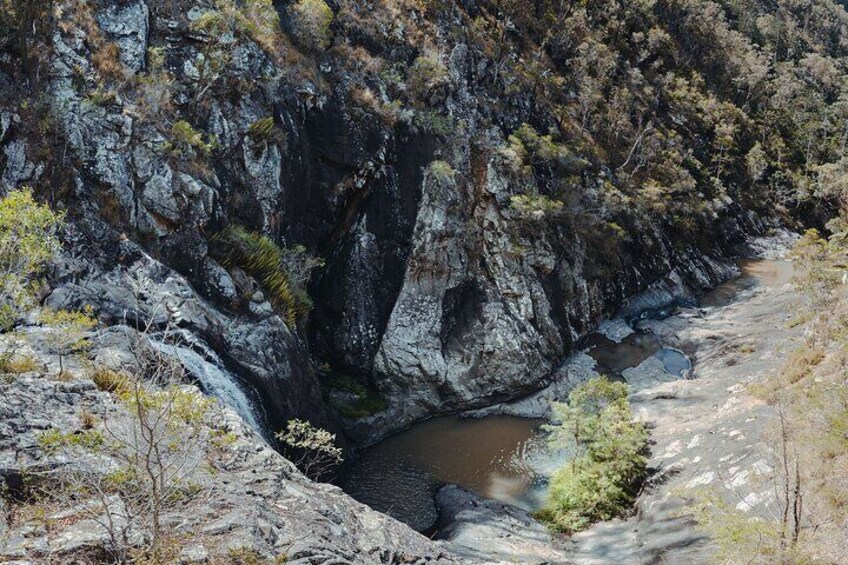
[485, 531]
[257, 502]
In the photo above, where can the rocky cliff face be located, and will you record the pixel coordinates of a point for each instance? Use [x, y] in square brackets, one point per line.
[479, 183]
[436, 291]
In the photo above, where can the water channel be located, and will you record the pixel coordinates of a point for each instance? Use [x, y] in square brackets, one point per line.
[506, 458]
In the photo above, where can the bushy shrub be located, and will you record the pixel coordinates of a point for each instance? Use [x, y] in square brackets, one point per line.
[610, 457]
[27, 243]
[526, 148]
[282, 272]
[311, 20]
[11, 364]
[426, 73]
[265, 130]
[430, 122]
[535, 206]
[68, 331]
[314, 449]
[185, 140]
[108, 380]
[256, 19]
[367, 401]
[442, 171]
[260, 20]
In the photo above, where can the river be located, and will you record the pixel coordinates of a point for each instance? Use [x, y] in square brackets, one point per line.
[506, 458]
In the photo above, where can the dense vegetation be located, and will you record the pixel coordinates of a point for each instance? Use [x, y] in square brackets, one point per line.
[28, 242]
[688, 108]
[682, 108]
[608, 456]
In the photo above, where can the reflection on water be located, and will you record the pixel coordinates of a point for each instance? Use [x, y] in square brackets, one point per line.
[490, 456]
[675, 362]
[754, 272]
[613, 358]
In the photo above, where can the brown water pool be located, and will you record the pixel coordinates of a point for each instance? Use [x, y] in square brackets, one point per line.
[754, 272]
[613, 358]
[490, 456]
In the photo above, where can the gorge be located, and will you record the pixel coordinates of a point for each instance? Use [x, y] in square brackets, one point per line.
[413, 224]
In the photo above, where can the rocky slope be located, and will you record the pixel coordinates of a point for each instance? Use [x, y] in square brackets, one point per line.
[706, 432]
[250, 501]
[483, 183]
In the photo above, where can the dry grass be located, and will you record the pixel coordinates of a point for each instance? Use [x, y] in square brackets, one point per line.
[87, 420]
[107, 60]
[108, 380]
[801, 362]
[19, 364]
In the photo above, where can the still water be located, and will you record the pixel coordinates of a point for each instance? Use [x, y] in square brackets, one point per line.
[754, 273]
[493, 457]
[614, 358]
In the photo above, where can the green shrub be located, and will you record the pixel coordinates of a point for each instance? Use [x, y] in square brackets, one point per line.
[280, 272]
[368, 400]
[256, 19]
[311, 24]
[442, 171]
[526, 147]
[27, 243]
[68, 331]
[432, 122]
[535, 206]
[187, 140]
[260, 20]
[54, 440]
[610, 457]
[109, 381]
[426, 74]
[264, 130]
[314, 450]
[11, 364]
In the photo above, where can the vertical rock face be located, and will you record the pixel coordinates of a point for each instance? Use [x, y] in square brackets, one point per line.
[486, 312]
[436, 291]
